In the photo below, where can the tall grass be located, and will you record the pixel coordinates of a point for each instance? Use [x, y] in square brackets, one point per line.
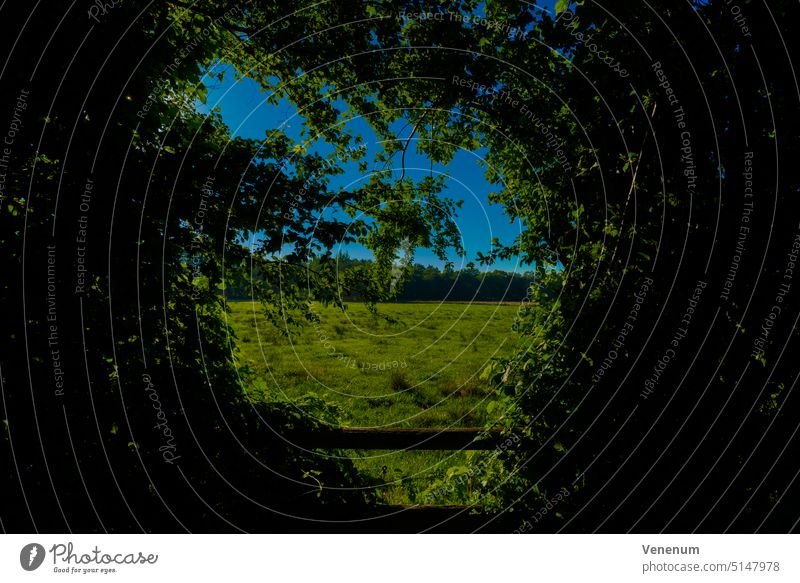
[417, 368]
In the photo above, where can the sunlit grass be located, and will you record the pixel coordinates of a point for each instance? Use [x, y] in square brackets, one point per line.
[419, 367]
[422, 370]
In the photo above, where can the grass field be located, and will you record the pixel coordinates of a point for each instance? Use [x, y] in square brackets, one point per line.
[417, 367]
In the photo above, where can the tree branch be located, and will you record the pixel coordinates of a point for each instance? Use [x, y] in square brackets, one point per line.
[414, 131]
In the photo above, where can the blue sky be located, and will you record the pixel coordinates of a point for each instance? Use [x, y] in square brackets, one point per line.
[244, 108]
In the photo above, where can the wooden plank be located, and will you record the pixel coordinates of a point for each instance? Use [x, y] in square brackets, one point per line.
[397, 439]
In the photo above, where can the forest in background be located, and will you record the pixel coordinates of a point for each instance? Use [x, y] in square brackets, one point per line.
[425, 283]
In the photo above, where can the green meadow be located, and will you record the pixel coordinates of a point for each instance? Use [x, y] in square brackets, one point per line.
[411, 365]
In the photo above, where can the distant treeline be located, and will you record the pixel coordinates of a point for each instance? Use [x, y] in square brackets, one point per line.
[427, 283]
[431, 284]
